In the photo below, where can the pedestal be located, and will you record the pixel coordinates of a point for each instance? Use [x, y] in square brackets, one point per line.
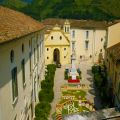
[73, 71]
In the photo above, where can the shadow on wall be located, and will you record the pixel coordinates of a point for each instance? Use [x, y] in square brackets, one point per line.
[90, 79]
[89, 72]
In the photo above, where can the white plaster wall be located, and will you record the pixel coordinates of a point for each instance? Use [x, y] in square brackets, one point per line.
[113, 35]
[7, 109]
[99, 34]
[94, 46]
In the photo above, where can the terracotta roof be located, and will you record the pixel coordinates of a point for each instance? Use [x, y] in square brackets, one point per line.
[114, 52]
[77, 23]
[14, 24]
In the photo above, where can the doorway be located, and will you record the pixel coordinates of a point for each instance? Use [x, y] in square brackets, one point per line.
[56, 55]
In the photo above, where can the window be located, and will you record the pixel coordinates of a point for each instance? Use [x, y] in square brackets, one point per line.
[34, 56]
[15, 117]
[37, 52]
[30, 61]
[51, 37]
[73, 34]
[67, 29]
[23, 71]
[28, 118]
[87, 34]
[64, 48]
[73, 46]
[60, 37]
[64, 56]
[22, 48]
[12, 56]
[29, 43]
[86, 45]
[90, 56]
[47, 49]
[101, 39]
[40, 49]
[47, 57]
[14, 84]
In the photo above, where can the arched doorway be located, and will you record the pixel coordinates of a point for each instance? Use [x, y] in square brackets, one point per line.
[56, 55]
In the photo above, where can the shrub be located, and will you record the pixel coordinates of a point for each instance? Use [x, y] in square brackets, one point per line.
[42, 110]
[70, 77]
[78, 77]
[46, 84]
[40, 118]
[79, 72]
[95, 69]
[98, 80]
[46, 95]
[66, 75]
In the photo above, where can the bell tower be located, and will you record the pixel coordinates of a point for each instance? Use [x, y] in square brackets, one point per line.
[66, 26]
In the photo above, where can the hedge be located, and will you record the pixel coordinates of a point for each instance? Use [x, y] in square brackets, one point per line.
[101, 83]
[42, 109]
[46, 95]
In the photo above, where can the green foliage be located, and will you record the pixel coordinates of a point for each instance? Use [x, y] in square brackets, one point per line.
[42, 110]
[46, 95]
[98, 80]
[101, 83]
[79, 72]
[66, 75]
[96, 69]
[75, 9]
[47, 84]
[14, 4]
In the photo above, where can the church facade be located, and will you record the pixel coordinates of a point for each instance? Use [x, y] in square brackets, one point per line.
[86, 39]
[57, 45]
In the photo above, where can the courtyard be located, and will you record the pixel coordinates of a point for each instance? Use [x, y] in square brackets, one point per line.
[73, 98]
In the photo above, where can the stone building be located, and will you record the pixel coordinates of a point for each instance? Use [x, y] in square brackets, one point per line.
[21, 64]
[112, 60]
[113, 69]
[87, 37]
[57, 45]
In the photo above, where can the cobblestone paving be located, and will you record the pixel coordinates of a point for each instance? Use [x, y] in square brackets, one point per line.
[87, 79]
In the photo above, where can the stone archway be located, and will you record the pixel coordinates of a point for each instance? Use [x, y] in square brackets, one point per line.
[56, 55]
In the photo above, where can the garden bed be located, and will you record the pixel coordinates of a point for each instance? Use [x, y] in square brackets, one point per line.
[73, 101]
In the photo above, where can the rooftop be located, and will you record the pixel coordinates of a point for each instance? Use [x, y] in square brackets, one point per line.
[78, 23]
[14, 24]
[105, 114]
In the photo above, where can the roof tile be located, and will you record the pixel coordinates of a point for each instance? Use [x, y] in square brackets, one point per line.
[77, 23]
[14, 24]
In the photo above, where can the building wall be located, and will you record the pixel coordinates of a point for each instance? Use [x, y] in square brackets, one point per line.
[21, 107]
[63, 46]
[113, 66]
[113, 70]
[113, 35]
[94, 43]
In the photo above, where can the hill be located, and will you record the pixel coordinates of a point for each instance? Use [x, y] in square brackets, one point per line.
[14, 4]
[75, 9]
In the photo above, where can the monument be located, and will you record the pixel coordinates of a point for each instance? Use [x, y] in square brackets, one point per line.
[73, 71]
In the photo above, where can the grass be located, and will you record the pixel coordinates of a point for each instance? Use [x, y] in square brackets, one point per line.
[75, 93]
